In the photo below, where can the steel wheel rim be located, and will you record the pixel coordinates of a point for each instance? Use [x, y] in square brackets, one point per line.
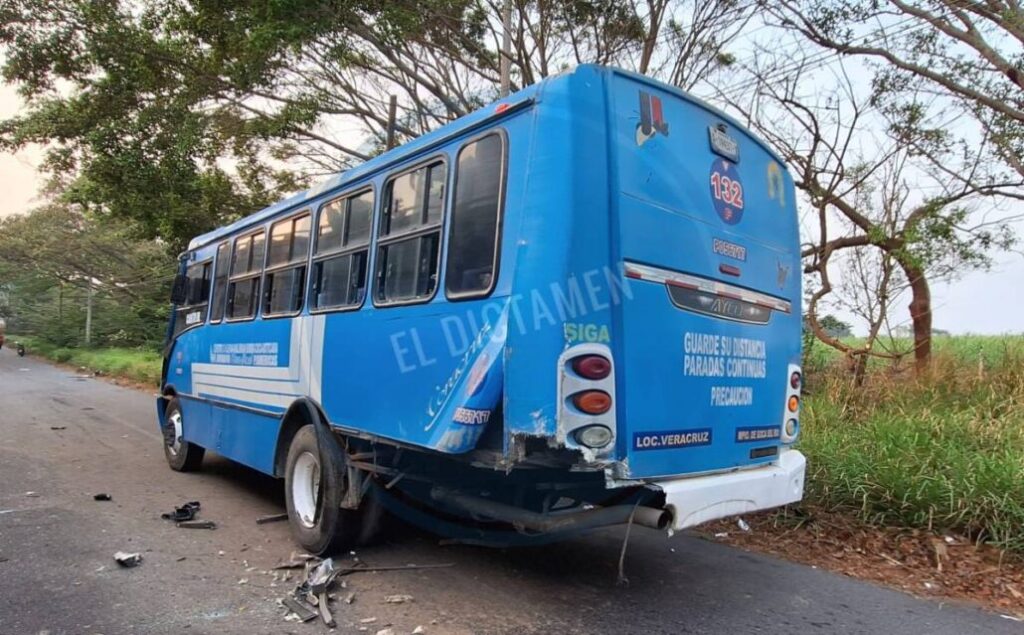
[174, 426]
[306, 488]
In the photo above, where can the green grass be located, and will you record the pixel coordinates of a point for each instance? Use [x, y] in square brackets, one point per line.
[944, 451]
[141, 365]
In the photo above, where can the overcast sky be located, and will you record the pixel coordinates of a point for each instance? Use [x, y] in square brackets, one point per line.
[981, 302]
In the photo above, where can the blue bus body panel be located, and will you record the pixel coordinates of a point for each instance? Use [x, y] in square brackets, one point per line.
[604, 169]
[710, 388]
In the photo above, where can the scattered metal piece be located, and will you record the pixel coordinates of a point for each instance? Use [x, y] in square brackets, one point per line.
[325, 611]
[368, 620]
[102, 497]
[304, 611]
[58, 427]
[32, 494]
[273, 518]
[185, 512]
[398, 599]
[197, 524]
[128, 560]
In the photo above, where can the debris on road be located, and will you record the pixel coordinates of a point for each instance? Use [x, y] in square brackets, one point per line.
[299, 608]
[102, 497]
[197, 524]
[32, 494]
[742, 524]
[58, 427]
[187, 511]
[296, 561]
[419, 630]
[321, 576]
[273, 518]
[128, 560]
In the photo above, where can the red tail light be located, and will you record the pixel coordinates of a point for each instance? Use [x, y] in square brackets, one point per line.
[592, 366]
[794, 380]
[593, 402]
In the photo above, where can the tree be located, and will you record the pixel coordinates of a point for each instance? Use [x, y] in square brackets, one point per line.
[52, 259]
[181, 116]
[834, 326]
[874, 190]
[160, 114]
[966, 53]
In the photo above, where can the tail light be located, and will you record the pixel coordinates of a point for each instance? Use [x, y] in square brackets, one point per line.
[794, 403]
[592, 366]
[794, 380]
[594, 402]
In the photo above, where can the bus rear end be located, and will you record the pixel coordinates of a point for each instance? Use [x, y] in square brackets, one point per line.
[708, 348]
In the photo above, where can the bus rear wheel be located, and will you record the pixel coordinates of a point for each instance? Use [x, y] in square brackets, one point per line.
[315, 484]
[181, 455]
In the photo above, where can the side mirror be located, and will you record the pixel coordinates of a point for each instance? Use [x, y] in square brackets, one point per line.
[179, 290]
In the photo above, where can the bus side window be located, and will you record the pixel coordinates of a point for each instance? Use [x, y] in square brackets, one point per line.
[410, 235]
[244, 279]
[476, 211]
[285, 283]
[220, 282]
[193, 311]
[341, 251]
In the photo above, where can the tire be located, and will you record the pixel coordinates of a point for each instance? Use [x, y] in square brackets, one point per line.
[315, 483]
[182, 455]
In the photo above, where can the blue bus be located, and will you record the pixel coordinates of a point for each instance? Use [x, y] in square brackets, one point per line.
[576, 307]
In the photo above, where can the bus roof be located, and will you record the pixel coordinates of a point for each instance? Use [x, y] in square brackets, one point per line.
[426, 142]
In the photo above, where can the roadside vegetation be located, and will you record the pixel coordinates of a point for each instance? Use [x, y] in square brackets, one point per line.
[140, 365]
[942, 451]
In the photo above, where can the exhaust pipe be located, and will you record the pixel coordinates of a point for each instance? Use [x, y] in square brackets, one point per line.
[552, 523]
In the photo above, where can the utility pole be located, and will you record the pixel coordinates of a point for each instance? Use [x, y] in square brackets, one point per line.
[504, 60]
[392, 114]
[88, 313]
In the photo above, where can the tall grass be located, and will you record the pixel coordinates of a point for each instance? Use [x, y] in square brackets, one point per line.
[135, 364]
[944, 451]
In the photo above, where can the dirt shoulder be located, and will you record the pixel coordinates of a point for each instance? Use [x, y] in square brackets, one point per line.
[919, 562]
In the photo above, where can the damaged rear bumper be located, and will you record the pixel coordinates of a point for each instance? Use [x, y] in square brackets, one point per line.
[697, 500]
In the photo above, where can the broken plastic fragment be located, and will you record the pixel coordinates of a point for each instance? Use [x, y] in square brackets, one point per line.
[128, 560]
[742, 524]
[398, 599]
[102, 497]
[185, 512]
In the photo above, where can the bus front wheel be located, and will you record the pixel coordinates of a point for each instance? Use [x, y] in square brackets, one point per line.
[182, 455]
[315, 485]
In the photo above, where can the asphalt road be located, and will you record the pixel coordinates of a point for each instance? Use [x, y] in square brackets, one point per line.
[57, 573]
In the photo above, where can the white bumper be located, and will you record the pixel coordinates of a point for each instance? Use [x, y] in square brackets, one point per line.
[699, 499]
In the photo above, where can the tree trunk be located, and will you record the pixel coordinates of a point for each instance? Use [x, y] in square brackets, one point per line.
[920, 315]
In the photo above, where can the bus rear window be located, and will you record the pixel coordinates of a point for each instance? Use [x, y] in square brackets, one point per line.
[473, 241]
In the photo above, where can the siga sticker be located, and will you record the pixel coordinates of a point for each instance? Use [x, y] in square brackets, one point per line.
[726, 191]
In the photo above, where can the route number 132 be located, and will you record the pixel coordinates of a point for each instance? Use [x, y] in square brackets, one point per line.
[727, 190]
